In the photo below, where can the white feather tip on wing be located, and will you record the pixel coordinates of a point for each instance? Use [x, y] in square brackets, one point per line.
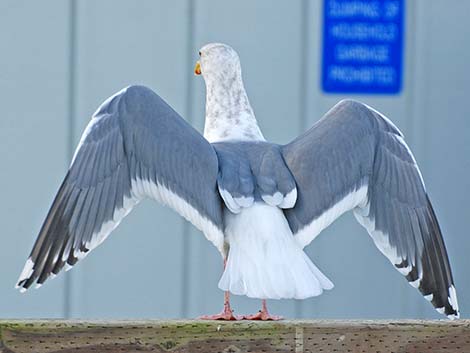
[27, 270]
[289, 199]
[273, 200]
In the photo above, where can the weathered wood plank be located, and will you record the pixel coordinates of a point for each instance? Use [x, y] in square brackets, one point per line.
[244, 336]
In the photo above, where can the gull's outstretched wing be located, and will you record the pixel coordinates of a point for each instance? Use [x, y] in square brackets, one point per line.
[354, 158]
[135, 146]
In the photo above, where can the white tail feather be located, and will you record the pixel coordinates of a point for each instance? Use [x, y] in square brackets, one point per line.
[264, 260]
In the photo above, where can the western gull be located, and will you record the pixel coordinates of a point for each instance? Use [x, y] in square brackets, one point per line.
[258, 202]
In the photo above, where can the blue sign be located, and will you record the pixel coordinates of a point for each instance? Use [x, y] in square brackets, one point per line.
[362, 46]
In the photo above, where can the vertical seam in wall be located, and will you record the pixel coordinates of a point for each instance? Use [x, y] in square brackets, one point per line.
[409, 82]
[417, 108]
[425, 104]
[186, 251]
[421, 100]
[71, 127]
[304, 41]
[422, 132]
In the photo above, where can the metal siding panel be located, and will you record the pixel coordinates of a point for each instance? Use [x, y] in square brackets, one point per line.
[137, 272]
[268, 42]
[366, 285]
[445, 129]
[33, 87]
[119, 43]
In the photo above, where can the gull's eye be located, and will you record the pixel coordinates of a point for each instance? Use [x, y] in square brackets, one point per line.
[199, 53]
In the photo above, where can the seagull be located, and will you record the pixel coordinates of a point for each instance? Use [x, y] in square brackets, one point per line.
[258, 202]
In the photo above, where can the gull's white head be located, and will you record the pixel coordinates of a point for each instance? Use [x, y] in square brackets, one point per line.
[229, 115]
[218, 61]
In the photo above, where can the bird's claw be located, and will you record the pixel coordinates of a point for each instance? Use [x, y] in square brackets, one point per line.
[226, 315]
[263, 316]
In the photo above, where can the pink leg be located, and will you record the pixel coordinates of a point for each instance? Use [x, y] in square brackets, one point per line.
[263, 314]
[227, 313]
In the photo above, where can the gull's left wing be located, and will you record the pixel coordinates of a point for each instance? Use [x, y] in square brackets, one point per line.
[354, 158]
[134, 147]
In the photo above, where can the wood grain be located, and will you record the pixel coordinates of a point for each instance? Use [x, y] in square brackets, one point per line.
[243, 336]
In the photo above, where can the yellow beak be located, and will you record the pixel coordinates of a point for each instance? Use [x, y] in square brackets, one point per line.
[197, 68]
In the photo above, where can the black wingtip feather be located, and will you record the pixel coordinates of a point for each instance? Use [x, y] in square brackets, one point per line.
[437, 282]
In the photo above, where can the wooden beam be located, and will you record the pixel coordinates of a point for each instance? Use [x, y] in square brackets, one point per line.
[243, 336]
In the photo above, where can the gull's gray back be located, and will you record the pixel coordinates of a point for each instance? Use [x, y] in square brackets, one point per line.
[252, 171]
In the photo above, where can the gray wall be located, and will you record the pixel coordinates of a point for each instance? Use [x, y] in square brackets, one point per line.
[60, 59]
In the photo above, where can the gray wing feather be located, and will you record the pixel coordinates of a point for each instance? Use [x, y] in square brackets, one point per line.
[250, 171]
[325, 164]
[136, 146]
[356, 159]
